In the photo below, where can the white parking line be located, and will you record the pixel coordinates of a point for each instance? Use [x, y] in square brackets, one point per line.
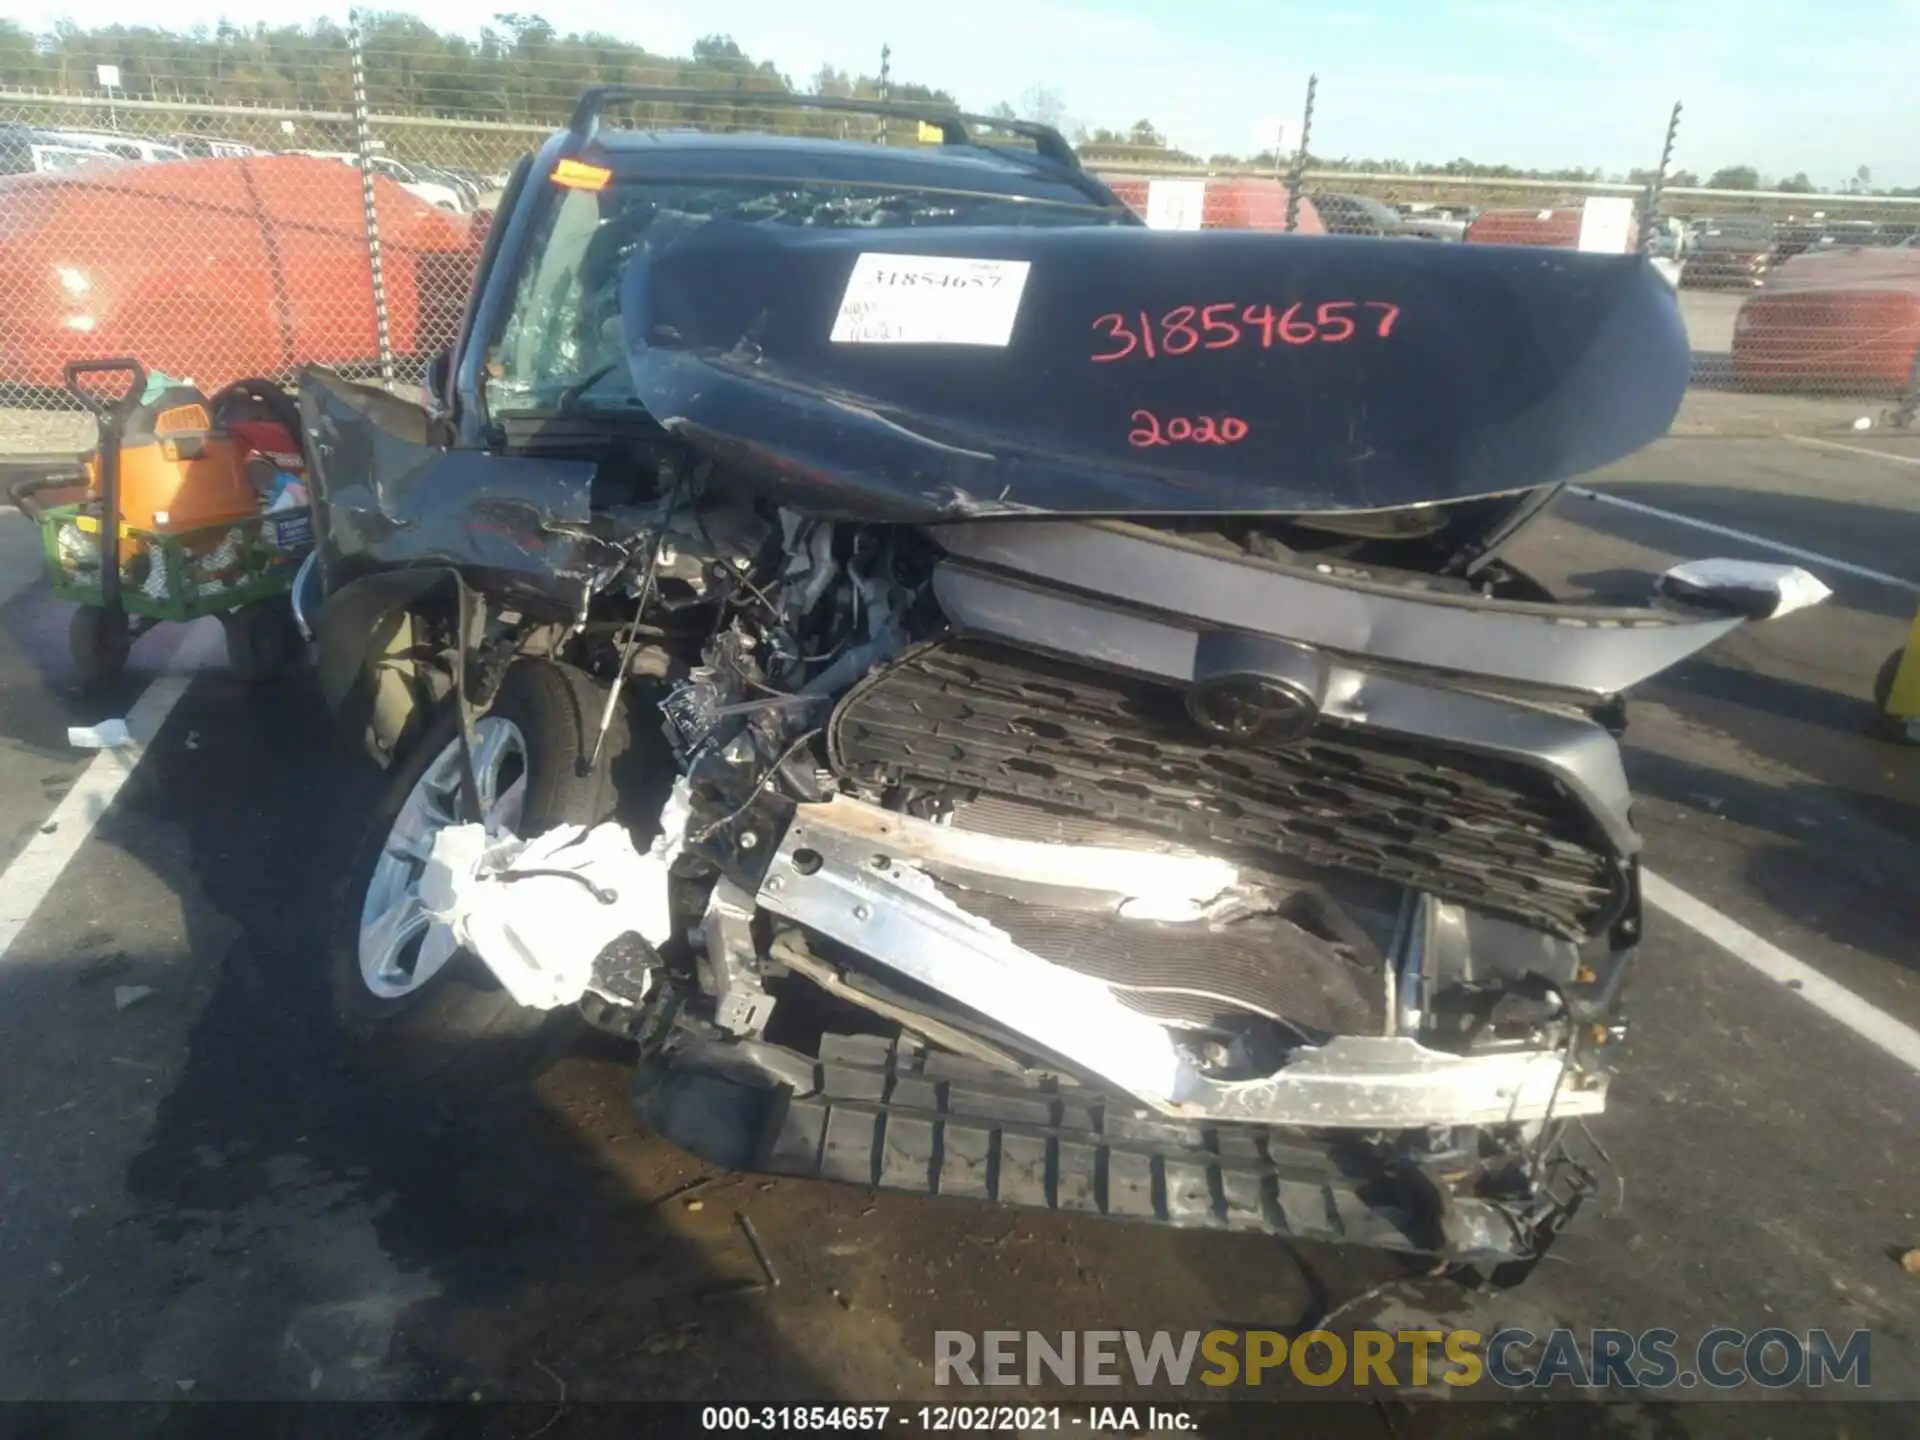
[1886, 455]
[31, 877]
[1759, 541]
[1831, 999]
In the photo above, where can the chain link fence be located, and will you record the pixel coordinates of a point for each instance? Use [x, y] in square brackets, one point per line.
[217, 241]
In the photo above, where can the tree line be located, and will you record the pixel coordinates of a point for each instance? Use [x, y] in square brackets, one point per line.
[521, 68]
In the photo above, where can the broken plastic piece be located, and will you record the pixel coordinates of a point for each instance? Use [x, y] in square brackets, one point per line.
[107, 735]
[538, 912]
[1755, 588]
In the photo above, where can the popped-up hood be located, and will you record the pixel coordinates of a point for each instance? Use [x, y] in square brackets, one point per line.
[1121, 371]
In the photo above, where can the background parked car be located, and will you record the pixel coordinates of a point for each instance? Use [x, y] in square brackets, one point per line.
[123, 147]
[277, 275]
[1823, 237]
[1734, 251]
[205, 147]
[444, 197]
[1558, 226]
[1844, 320]
[1356, 215]
[468, 192]
[1434, 222]
[27, 151]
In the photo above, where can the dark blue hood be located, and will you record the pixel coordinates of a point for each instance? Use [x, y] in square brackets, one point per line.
[1359, 374]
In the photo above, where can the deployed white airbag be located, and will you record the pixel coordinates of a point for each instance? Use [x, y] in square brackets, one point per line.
[539, 912]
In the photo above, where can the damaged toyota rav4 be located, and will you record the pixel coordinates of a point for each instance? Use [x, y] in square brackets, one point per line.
[996, 701]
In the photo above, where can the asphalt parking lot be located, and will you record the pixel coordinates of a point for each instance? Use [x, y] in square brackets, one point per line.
[199, 1199]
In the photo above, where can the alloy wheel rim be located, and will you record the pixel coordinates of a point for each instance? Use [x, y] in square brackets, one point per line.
[402, 947]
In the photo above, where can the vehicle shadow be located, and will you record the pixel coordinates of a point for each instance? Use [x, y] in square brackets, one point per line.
[1759, 694]
[300, 1227]
[296, 1228]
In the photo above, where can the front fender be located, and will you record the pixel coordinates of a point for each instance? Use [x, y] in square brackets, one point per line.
[373, 676]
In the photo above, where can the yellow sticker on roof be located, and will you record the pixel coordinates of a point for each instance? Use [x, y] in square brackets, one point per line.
[578, 175]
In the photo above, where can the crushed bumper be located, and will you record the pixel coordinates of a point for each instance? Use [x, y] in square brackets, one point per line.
[867, 878]
[875, 1113]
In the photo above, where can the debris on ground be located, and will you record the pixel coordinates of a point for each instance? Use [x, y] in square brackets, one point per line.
[1910, 1262]
[759, 1250]
[732, 1288]
[682, 1192]
[107, 735]
[125, 995]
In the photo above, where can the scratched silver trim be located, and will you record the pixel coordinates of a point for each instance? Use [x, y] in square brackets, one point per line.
[1598, 650]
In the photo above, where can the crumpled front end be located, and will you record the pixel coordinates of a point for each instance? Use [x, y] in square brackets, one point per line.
[1270, 926]
[1174, 988]
[1106, 869]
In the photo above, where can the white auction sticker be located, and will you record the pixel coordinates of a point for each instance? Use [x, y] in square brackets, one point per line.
[1176, 204]
[930, 300]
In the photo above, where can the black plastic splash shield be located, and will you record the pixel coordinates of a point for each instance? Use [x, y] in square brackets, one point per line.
[1249, 373]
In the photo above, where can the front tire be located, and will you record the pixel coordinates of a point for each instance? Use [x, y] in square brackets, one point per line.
[406, 1000]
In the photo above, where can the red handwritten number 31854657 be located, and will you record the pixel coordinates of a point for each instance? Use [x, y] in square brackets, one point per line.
[1186, 329]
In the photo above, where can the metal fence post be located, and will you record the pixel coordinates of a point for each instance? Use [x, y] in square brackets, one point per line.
[1659, 182]
[1297, 176]
[364, 133]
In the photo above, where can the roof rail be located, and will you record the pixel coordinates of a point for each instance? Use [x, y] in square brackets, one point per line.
[951, 123]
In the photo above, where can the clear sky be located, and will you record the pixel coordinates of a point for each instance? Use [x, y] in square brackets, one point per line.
[1823, 86]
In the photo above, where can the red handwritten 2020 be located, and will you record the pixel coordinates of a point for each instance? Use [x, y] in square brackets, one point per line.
[1149, 430]
[1186, 329]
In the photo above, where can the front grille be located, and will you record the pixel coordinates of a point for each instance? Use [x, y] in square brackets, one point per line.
[1001, 721]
